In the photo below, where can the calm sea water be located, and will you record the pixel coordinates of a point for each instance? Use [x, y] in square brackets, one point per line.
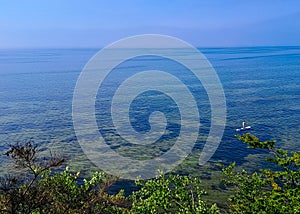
[261, 85]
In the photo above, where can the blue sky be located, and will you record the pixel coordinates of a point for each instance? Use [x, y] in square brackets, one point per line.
[91, 23]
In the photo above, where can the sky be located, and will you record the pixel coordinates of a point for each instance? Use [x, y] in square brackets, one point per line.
[97, 23]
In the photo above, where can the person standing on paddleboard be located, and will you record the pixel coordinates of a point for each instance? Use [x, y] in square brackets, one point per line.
[243, 124]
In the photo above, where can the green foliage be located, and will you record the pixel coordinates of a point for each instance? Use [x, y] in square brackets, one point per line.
[254, 142]
[170, 194]
[18, 195]
[67, 196]
[267, 191]
[45, 192]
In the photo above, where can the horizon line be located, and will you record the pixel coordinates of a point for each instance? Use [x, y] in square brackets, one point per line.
[95, 47]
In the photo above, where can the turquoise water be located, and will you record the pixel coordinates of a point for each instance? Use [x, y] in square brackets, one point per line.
[261, 85]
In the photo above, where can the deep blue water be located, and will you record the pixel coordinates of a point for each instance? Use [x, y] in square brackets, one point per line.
[261, 85]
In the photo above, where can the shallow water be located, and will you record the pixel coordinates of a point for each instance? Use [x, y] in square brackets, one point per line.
[261, 85]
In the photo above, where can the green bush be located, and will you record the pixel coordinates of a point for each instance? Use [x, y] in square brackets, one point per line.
[43, 191]
[170, 194]
[266, 191]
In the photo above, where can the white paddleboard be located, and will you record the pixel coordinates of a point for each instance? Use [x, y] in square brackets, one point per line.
[243, 129]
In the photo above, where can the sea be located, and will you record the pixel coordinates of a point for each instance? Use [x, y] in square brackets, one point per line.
[261, 86]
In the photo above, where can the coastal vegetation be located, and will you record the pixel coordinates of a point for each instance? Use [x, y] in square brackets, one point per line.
[40, 186]
[275, 190]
